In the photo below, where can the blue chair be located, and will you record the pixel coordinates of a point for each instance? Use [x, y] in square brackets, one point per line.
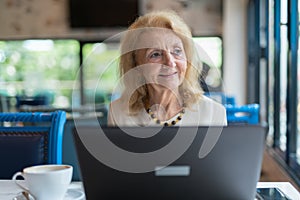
[30, 139]
[69, 151]
[221, 97]
[248, 114]
[245, 114]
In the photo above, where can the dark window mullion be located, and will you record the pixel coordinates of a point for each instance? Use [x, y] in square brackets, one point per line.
[292, 79]
[277, 80]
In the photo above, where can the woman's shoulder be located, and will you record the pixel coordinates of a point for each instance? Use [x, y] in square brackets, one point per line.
[116, 114]
[206, 101]
[206, 112]
[118, 103]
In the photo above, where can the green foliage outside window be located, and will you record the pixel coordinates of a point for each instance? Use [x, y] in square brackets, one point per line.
[100, 69]
[51, 67]
[32, 67]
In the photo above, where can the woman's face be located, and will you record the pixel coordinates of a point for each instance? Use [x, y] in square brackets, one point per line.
[161, 58]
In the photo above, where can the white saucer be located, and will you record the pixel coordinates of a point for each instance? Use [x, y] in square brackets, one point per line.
[72, 194]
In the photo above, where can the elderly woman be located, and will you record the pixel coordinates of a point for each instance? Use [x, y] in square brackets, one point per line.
[160, 69]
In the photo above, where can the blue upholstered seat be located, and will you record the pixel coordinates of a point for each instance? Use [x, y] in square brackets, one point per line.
[30, 139]
[248, 114]
[244, 114]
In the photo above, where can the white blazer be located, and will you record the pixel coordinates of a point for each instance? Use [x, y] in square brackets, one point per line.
[206, 112]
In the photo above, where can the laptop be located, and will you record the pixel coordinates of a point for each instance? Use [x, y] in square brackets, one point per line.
[170, 163]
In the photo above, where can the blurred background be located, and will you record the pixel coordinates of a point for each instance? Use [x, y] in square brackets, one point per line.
[52, 53]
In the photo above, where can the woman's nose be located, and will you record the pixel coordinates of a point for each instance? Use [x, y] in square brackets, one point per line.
[169, 60]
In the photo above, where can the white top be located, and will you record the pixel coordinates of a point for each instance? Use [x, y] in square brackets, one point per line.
[206, 112]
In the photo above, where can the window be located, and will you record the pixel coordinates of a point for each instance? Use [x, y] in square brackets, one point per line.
[47, 72]
[211, 54]
[100, 71]
[283, 75]
[284, 83]
[32, 69]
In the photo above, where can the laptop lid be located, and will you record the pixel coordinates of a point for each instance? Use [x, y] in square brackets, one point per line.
[146, 163]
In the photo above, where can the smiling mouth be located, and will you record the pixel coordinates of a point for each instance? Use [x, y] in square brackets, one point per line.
[168, 75]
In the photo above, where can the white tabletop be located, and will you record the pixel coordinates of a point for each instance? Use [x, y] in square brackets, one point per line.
[8, 189]
[287, 188]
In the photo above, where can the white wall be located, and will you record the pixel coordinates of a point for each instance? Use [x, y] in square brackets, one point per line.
[235, 48]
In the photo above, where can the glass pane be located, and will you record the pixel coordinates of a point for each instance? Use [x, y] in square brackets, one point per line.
[38, 72]
[270, 136]
[211, 51]
[283, 13]
[100, 71]
[283, 86]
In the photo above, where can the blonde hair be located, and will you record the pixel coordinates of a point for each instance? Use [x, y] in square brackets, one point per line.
[190, 90]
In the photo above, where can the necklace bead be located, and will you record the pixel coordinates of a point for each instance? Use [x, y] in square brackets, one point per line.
[172, 123]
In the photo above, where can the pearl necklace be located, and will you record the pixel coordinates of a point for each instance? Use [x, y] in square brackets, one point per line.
[172, 123]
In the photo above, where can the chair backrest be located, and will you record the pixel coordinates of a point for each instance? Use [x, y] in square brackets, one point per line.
[221, 98]
[30, 139]
[248, 114]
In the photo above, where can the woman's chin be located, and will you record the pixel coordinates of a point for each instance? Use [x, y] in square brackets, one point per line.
[170, 84]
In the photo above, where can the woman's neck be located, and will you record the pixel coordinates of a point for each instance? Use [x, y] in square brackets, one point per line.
[164, 103]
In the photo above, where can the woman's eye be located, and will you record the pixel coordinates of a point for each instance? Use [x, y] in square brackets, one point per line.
[177, 52]
[156, 54]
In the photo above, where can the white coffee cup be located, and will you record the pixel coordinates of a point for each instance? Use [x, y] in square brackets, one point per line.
[46, 182]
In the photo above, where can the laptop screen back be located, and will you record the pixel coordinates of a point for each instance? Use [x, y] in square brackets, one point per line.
[157, 168]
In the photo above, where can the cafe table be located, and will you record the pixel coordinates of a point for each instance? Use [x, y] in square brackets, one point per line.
[9, 190]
